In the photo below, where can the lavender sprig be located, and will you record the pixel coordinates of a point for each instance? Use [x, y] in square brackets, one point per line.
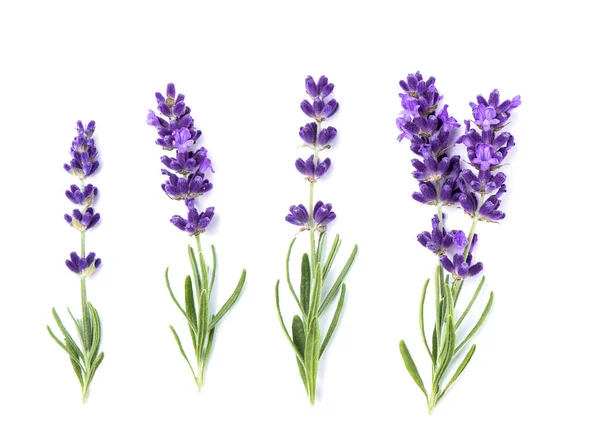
[306, 339]
[442, 182]
[187, 179]
[86, 356]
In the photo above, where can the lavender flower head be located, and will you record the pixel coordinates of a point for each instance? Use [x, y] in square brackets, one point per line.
[187, 178]
[318, 139]
[487, 147]
[83, 152]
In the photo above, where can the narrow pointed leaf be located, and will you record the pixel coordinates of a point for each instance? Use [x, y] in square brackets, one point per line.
[190, 306]
[460, 369]
[177, 302]
[287, 335]
[331, 256]
[58, 341]
[230, 302]
[321, 244]
[334, 321]
[298, 334]
[69, 342]
[473, 331]
[302, 372]
[311, 356]
[194, 265]
[77, 370]
[411, 367]
[203, 271]
[305, 283]
[176, 336]
[421, 321]
[316, 293]
[338, 283]
[287, 276]
[96, 330]
[95, 365]
[78, 325]
[475, 295]
[209, 345]
[214, 269]
[203, 322]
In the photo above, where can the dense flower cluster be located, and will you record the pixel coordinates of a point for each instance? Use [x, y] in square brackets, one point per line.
[487, 147]
[176, 131]
[83, 164]
[317, 139]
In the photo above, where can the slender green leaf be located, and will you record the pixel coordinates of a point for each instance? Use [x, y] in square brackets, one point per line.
[421, 321]
[69, 342]
[305, 283]
[209, 345]
[58, 341]
[203, 271]
[302, 373]
[321, 244]
[446, 353]
[75, 360]
[78, 325]
[460, 369]
[230, 302]
[287, 276]
[311, 356]
[316, 293]
[287, 335]
[96, 330]
[475, 295]
[77, 369]
[411, 367]
[434, 344]
[473, 331]
[298, 334]
[176, 336]
[177, 302]
[95, 366]
[214, 269]
[334, 321]
[331, 256]
[338, 283]
[190, 307]
[203, 322]
[195, 271]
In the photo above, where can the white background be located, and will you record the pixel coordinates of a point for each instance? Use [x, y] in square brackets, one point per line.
[242, 67]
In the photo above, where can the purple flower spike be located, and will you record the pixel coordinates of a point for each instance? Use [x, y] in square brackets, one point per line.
[197, 222]
[83, 266]
[310, 170]
[298, 216]
[190, 186]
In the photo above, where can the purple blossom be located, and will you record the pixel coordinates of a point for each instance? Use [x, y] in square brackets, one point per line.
[327, 135]
[196, 222]
[83, 266]
[322, 89]
[493, 114]
[438, 240]
[188, 161]
[460, 267]
[310, 170]
[322, 215]
[298, 216]
[308, 133]
[190, 186]
[83, 152]
[82, 221]
[84, 198]
[319, 110]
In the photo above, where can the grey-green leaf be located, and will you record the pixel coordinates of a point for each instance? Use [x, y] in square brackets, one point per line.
[311, 356]
[421, 321]
[298, 334]
[190, 306]
[473, 331]
[411, 367]
[334, 321]
[338, 283]
[176, 336]
[230, 302]
[287, 335]
[460, 368]
[305, 283]
[195, 271]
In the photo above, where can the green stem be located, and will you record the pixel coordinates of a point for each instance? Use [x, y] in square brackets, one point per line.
[311, 220]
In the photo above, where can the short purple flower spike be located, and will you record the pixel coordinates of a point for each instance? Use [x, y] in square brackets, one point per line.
[311, 171]
[188, 179]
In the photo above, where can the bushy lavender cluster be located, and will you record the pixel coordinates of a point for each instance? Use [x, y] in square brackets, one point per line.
[317, 139]
[83, 164]
[487, 147]
[176, 131]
